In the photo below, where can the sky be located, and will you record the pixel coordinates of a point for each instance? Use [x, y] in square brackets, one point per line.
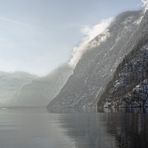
[36, 36]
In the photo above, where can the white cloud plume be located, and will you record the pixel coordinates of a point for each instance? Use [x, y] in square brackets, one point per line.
[89, 34]
[145, 4]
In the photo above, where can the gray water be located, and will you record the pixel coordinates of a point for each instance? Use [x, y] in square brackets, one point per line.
[36, 128]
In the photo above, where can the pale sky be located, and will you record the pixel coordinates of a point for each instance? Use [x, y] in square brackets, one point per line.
[36, 36]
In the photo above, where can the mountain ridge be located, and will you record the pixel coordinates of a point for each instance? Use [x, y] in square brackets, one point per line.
[97, 66]
[41, 91]
[129, 88]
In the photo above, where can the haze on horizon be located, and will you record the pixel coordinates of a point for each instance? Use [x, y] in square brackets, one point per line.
[36, 36]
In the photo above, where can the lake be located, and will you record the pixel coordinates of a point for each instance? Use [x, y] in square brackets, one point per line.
[36, 128]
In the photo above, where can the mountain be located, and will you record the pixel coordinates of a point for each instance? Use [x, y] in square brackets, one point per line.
[10, 84]
[129, 85]
[96, 69]
[42, 90]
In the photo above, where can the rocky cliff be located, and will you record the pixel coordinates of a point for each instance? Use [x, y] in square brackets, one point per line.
[129, 85]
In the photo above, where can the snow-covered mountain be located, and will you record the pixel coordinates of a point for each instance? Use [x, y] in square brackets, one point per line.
[96, 68]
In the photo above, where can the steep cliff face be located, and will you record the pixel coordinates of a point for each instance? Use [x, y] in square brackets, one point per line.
[42, 90]
[98, 64]
[129, 86]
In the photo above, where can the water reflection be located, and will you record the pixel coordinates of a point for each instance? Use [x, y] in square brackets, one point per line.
[33, 128]
[130, 130]
[109, 130]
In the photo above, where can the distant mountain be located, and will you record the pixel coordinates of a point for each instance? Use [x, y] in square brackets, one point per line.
[11, 83]
[98, 65]
[42, 90]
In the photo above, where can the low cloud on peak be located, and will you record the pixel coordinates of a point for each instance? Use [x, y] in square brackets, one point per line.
[89, 32]
[145, 4]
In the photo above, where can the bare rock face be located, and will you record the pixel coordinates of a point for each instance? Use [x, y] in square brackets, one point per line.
[128, 87]
[97, 67]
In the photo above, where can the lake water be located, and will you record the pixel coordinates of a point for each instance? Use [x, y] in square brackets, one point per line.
[36, 128]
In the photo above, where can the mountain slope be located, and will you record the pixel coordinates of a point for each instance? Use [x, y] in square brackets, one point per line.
[10, 83]
[42, 90]
[129, 86]
[97, 66]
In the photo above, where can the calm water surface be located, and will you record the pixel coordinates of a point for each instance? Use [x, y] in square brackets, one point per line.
[36, 128]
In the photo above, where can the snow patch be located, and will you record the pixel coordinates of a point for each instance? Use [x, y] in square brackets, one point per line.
[89, 34]
[102, 38]
[139, 20]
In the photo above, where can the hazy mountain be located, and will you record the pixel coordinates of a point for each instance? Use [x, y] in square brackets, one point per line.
[42, 90]
[98, 64]
[11, 83]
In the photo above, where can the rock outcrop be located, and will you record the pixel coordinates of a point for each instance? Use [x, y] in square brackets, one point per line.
[128, 87]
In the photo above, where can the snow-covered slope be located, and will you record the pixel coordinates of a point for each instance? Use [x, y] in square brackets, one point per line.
[97, 66]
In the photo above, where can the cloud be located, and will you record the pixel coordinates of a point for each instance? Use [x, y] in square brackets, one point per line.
[145, 4]
[89, 34]
[17, 22]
